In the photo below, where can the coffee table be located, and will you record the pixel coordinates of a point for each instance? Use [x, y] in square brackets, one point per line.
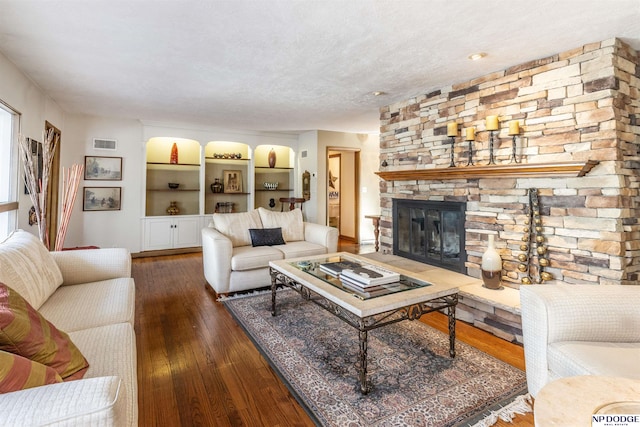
[409, 299]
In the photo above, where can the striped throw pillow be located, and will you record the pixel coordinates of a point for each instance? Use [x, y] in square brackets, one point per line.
[23, 331]
[19, 373]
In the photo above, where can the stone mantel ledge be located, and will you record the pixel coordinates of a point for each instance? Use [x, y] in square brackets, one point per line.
[514, 170]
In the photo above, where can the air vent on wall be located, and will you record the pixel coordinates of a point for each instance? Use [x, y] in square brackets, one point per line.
[104, 144]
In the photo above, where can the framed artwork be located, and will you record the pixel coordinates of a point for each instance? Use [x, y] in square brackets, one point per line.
[102, 168]
[232, 181]
[306, 185]
[101, 198]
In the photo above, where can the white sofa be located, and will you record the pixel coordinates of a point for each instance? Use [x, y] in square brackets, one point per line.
[571, 330]
[90, 295]
[232, 264]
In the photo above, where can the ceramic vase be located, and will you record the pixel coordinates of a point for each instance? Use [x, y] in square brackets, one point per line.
[217, 186]
[173, 208]
[272, 158]
[491, 266]
[174, 154]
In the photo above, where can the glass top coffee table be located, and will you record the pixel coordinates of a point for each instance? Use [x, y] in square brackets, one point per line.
[364, 309]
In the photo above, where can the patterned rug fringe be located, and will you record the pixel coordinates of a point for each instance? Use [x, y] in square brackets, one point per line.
[521, 405]
[242, 295]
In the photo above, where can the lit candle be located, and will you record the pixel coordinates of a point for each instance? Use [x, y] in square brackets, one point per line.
[471, 134]
[514, 127]
[492, 122]
[452, 129]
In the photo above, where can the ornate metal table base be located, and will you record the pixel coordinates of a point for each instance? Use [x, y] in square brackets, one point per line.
[366, 324]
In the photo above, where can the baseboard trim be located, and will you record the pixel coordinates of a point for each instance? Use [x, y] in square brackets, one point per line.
[163, 252]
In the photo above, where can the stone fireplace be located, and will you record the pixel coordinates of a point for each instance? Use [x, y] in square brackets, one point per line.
[431, 232]
[579, 112]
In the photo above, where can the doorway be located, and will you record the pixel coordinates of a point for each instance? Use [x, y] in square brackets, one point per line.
[343, 182]
[54, 184]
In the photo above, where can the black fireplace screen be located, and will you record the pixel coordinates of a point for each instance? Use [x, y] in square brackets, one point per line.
[431, 232]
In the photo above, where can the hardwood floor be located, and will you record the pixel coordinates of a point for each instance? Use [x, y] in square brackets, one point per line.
[196, 366]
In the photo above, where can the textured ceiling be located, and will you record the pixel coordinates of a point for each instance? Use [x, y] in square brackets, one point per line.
[284, 65]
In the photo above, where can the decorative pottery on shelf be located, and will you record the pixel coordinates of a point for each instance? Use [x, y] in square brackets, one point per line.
[174, 185]
[224, 207]
[271, 185]
[272, 203]
[217, 186]
[491, 266]
[272, 158]
[174, 154]
[173, 208]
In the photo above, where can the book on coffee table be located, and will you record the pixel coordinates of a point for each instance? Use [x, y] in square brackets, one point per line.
[335, 268]
[354, 283]
[369, 274]
[369, 291]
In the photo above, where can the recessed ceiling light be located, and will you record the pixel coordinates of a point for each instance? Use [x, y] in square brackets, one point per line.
[476, 56]
[379, 93]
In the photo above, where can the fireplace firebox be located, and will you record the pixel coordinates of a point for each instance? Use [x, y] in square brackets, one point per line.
[431, 232]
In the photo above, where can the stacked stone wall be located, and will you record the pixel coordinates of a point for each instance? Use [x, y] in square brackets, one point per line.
[574, 106]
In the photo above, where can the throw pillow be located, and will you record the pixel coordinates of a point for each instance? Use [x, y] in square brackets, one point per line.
[290, 222]
[25, 332]
[266, 236]
[19, 373]
[236, 226]
[28, 267]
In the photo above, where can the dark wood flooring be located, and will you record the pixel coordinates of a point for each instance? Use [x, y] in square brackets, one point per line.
[196, 366]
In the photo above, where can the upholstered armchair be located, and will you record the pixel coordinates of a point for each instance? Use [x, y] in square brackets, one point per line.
[573, 330]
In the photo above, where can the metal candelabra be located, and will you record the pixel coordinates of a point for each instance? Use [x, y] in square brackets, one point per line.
[470, 162]
[491, 159]
[452, 163]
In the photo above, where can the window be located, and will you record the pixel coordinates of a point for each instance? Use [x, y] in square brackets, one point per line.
[9, 125]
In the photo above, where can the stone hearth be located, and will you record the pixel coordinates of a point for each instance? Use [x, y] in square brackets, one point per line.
[494, 311]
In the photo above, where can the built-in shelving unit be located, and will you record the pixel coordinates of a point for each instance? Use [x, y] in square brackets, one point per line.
[281, 172]
[513, 170]
[198, 166]
[161, 172]
[227, 157]
[161, 230]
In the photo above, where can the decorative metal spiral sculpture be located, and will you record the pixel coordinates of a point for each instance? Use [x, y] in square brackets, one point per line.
[533, 236]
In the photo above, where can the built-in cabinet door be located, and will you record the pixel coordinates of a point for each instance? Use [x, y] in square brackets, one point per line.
[186, 232]
[171, 232]
[158, 233]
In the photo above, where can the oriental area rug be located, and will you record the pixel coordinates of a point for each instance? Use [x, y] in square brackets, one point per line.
[414, 381]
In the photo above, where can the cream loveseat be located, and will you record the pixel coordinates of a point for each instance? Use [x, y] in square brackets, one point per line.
[90, 296]
[231, 261]
[571, 330]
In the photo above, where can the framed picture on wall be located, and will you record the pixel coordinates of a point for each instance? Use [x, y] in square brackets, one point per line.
[102, 198]
[232, 181]
[102, 168]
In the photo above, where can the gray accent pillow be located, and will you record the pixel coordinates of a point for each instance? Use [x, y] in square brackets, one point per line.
[266, 236]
